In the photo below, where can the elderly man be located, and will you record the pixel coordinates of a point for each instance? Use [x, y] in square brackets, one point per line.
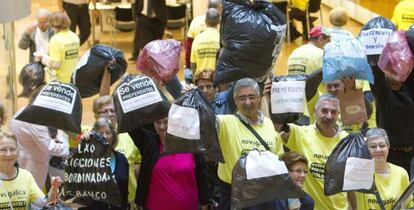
[236, 139]
[316, 143]
[36, 37]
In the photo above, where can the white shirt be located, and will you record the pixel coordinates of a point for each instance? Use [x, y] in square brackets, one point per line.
[41, 41]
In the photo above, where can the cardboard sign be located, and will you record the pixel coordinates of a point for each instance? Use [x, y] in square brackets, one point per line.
[374, 40]
[288, 97]
[57, 96]
[88, 175]
[352, 105]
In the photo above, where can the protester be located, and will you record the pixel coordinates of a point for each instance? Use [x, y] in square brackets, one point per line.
[18, 187]
[338, 17]
[119, 167]
[63, 48]
[236, 139]
[179, 181]
[78, 12]
[206, 45]
[402, 14]
[36, 37]
[390, 180]
[297, 165]
[104, 107]
[316, 142]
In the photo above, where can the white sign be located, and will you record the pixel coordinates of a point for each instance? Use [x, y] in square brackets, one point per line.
[184, 122]
[263, 164]
[374, 40]
[57, 96]
[288, 97]
[359, 174]
[137, 93]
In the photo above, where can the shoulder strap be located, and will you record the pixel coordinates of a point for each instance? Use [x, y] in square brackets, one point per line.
[254, 133]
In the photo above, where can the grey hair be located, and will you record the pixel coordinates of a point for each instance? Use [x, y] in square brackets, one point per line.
[326, 97]
[373, 133]
[243, 83]
[212, 17]
[214, 4]
[43, 12]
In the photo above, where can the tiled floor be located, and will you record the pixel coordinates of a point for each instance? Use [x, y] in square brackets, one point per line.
[124, 42]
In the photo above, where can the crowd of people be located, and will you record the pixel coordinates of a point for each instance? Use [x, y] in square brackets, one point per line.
[32, 156]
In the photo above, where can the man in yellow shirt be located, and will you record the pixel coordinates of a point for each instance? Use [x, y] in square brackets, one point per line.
[403, 15]
[206, 44]
[316, 143]
[236, 139]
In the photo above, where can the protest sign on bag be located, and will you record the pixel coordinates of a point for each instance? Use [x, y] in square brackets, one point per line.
[184, 122]
[57, 105]
[352, 106]
[358, 173]
[88, 175]
[138, 102]
[374, 39]
[288, 98]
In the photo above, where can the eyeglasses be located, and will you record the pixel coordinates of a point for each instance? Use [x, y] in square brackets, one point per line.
[245, 97]
[107, 111]
[12, 150]
[374, 147]
[299, 171]
[205, 87]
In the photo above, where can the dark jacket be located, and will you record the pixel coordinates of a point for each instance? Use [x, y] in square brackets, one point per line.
[395, 110]
[307, 203]
[28, 41]
[159, 7]
[148, 143]
[121, 178]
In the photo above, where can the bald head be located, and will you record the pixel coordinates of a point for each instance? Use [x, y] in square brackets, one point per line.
[214, 4]
[212, 17]
[43, 17]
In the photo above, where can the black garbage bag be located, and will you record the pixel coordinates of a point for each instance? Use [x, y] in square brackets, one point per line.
[89, 71]
[57, 105]
[409, 35]
[88, 175]
[287, 98]
[31, 77]
[350, 167]
[138, 101]
[192, 127]
[260, 177]
[373, 36]
[251, 35]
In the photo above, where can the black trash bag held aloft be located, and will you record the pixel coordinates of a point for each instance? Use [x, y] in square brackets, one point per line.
[31, 77]
[90, 68]
[251, 35]
[374, 35]
[287, 98]
[88, 175]
[57, 105]
[138, 101]
[350, 167]
[260, 177]
[192, 127]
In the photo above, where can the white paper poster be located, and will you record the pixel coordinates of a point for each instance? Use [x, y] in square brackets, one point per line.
[184, 122]
[359, 173]
[57, 96]
[374, 40]
[138, 93]
[263, 164]
[288, 96]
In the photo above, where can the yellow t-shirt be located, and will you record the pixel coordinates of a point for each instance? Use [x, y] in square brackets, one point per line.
[22, 191]
[305, 59]
[198, 25]
[236, 140]
[390, 188]
[300, 4]
[204, 50]
[307, 141]
[403, 15]
[64, 48]
[127, 147]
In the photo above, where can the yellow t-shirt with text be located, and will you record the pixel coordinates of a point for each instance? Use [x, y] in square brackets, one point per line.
[197, 25]
[64, 48]
[403, 15]
[307, 141]
[305, 59]
[204, 50]
[22, 191]
[390, 188]
[235, 140]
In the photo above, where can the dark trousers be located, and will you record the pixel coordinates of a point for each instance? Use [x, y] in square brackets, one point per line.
[400, 158]
[146, 30]
[79, 16]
